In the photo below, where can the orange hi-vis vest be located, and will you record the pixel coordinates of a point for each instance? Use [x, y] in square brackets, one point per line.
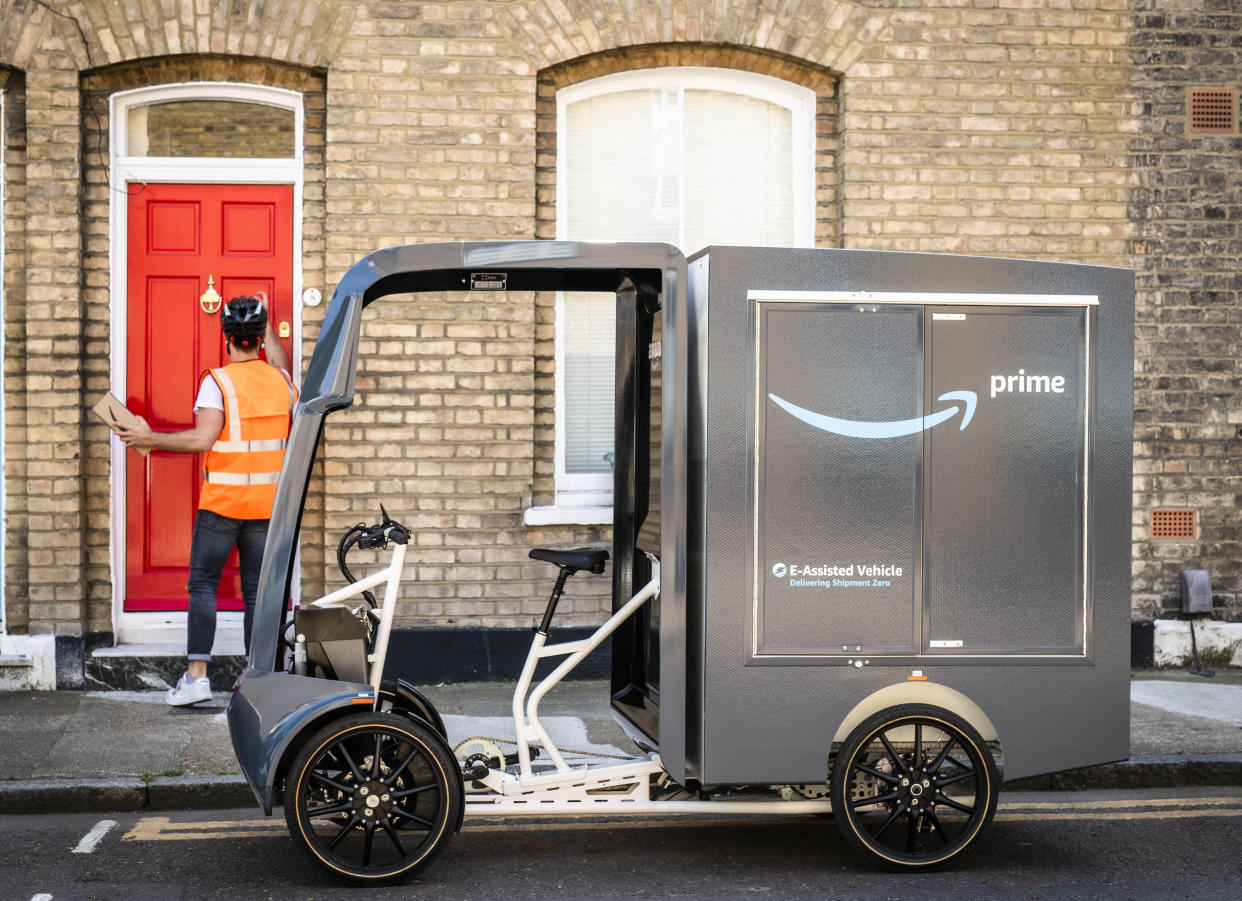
[240, 472]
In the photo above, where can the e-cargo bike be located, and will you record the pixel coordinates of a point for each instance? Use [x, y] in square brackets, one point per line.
[870, 555]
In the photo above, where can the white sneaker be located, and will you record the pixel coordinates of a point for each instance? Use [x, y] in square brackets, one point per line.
[188, 691]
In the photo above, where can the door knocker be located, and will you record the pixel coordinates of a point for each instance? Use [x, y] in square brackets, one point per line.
[210, 301]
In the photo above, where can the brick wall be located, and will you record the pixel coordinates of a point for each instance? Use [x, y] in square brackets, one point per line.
[431, 137]
[17, 597]
[1187, 251]
[1036, 129]
[50, 495]
[998, 130]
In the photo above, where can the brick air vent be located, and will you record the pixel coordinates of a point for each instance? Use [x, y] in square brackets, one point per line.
[1167, 524]
[1212, 110]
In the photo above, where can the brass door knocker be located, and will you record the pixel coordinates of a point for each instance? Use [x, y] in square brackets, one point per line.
[210, 301]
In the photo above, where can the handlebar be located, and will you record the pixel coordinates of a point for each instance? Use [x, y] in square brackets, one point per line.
[374, 537]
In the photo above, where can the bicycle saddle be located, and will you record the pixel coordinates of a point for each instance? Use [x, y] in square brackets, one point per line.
[590, 558]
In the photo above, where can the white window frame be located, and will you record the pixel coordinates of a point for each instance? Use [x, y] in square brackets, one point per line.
[157, 630]
[587, 498]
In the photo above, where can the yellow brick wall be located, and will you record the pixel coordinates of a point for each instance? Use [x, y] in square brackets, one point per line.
[1001, 128]
[998, 131]
[17, 595]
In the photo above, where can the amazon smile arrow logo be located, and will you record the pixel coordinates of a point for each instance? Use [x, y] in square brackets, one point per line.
[853, 428]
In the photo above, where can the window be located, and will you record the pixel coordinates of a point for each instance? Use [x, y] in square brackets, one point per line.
[206, 131]
[211, 128]
[689, 156]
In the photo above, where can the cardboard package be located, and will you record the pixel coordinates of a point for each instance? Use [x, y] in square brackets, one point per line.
[114, 413]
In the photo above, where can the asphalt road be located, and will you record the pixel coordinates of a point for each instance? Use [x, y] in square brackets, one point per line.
[1168, 844]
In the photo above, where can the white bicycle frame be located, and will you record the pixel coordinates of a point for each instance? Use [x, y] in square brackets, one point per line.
[527, 725]
[591, 789]
[392, 575]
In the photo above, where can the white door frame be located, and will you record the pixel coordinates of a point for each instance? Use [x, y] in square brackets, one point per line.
[168, 628]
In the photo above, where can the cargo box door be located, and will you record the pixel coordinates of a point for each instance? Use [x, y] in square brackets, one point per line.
[837, 493]
[1006, 514]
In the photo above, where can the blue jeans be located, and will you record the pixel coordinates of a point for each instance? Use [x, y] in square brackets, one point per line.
[213, 541]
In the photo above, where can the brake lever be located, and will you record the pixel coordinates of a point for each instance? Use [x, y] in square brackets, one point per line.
[388, 529]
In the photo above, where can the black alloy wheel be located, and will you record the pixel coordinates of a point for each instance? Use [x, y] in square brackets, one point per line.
[913, 787]
[373, 797]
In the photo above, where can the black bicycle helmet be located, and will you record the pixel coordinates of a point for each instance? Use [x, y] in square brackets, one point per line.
[244, 321]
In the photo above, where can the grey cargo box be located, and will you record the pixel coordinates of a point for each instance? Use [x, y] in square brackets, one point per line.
[909, 479]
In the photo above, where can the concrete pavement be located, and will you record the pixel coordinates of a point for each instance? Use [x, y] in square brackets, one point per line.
[79, 751]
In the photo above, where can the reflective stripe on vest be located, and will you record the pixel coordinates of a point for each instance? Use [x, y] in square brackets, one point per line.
[242, 478]
[246, 447]
[242, 468]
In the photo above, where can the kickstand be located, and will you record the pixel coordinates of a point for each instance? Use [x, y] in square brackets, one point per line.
[1197, 670]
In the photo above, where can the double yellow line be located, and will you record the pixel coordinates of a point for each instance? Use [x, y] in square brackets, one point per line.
[1143, 809]
[163, 829]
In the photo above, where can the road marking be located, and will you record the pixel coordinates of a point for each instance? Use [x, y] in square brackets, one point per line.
[92, 839]
[691, 820]
[1123, 815]
[162, 829]
[1142, 802]
[42, 896]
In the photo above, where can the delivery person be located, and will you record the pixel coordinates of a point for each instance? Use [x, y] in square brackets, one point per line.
[242, 418]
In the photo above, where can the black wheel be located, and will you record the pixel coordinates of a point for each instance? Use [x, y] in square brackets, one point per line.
[913, 787]
[373, 797]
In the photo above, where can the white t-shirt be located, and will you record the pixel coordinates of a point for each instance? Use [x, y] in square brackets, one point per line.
[210, 397]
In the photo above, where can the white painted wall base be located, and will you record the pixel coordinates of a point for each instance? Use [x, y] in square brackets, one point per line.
[1172, 640]
[27, 662]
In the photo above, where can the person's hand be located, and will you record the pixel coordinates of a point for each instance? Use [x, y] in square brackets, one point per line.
[140, 437]
[269, 333]
[276, 355]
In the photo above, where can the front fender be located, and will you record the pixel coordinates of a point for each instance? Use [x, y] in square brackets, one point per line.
[410, 699]
[269, 710]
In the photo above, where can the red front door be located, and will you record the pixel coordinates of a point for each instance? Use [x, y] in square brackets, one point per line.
[179, 235]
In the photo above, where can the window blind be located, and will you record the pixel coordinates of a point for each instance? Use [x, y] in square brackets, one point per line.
[689, 166]
[590, 350]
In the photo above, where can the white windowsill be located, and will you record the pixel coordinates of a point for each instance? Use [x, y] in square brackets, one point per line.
[564, 516]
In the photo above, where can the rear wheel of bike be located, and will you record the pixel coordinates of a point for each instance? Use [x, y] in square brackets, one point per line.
[373, 798]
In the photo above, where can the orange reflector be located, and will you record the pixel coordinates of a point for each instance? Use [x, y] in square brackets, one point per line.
[916, 676]
[361, 701]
